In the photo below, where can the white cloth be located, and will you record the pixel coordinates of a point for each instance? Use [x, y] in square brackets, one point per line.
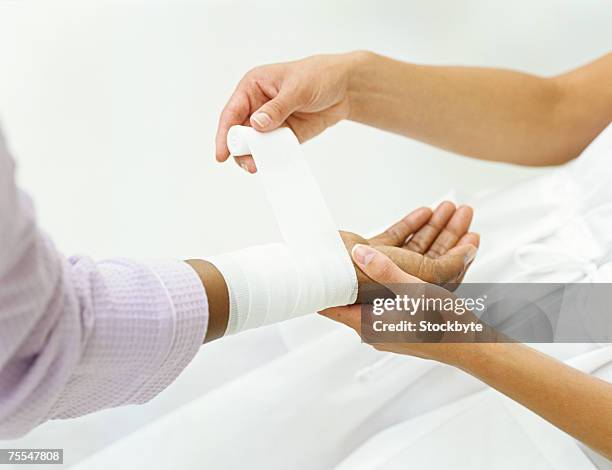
[311, 269]
[329, 394]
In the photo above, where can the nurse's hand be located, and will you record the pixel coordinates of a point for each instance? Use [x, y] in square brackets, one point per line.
[575, 402]
[435, 246]
[308, 95]
[443, 347]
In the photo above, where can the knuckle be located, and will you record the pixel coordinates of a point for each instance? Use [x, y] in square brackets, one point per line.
[418, 244]
[245, 81]
[436, 251]
[250, 80]
[434, 226]
[275, 107]
[253, 73]
[392, 233]
[234, 107]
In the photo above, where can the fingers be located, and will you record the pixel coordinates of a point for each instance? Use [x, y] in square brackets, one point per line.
[379, 267]
[470, 238]
[456, 228]
[447, 269]
[397, 234]
[274, 113]
[247, 163]
[236, 112]
[424, 238]
[451, 267]
[270, 115]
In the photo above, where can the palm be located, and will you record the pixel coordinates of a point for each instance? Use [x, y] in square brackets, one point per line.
[429, 245]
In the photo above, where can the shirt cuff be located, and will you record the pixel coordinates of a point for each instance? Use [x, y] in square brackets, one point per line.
[190, 311]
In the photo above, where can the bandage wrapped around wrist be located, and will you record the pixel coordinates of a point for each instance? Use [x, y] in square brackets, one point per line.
[311, 270]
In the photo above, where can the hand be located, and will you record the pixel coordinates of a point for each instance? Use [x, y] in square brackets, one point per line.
[548, 387]
[308, 95]
[434, 246]
[381, 269]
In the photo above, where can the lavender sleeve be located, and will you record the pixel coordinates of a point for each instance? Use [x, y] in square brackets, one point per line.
[77, 336]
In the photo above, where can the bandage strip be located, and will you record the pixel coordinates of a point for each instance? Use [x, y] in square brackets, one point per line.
[311, 270]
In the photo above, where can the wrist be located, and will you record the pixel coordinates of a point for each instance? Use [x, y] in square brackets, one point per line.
[471, 355]
[363, 282]
[359, 81]
[218, 297]
[476, 358]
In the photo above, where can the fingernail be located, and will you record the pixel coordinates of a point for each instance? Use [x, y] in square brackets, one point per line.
[244, 167]
[363, 254]
[261, 119]
[470, 255]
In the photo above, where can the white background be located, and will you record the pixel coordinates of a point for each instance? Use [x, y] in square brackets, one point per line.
[111, 110]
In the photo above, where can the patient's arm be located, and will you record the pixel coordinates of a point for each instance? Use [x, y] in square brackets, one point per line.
[434, 245]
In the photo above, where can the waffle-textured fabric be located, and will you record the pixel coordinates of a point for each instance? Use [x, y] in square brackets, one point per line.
[76, 335]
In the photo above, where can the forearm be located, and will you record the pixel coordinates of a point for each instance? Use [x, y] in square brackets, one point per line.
[217, 291]
[577, 403]
[485, 113]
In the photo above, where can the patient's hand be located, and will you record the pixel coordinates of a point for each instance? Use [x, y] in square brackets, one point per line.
[436, 247]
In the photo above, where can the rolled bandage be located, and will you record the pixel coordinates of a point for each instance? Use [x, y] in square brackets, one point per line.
[311, 270]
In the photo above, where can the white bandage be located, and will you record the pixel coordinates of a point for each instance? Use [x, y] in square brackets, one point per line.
[311, 270]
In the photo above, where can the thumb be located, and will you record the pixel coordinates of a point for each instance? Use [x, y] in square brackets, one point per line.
[274, 113]
[379, 267]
